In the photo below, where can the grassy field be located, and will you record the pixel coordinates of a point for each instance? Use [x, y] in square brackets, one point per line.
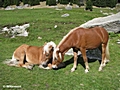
[42, 23]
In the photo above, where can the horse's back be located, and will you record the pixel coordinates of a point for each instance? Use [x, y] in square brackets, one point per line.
[91, 37]
[20, 51]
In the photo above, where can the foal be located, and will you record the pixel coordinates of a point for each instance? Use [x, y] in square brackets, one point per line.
[82, 39]
[27, 56]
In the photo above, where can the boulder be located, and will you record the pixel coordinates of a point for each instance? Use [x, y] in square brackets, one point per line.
[68, 7]
[111, 23]
[16, 30]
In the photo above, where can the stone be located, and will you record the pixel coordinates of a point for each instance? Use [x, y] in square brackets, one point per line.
[65, 15]
[111, 23]
[68, 7]
[17, 30]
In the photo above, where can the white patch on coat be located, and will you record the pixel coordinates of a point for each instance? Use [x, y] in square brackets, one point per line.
[55, 54]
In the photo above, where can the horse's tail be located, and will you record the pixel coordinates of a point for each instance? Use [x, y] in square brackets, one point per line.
[107, 52]
[11, 62]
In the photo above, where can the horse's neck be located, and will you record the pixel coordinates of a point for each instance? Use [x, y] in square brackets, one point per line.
[64, 47]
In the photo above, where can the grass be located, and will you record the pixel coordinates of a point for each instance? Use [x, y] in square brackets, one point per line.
[42, 23]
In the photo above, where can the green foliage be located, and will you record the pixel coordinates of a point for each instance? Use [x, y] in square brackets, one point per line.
[77, 2]
[34, 2]
[6, 3]
[25, 1]
[1, 3]
[51, 2]
[111, 3]
[89, 5]
[64, 1]
[17, 2]
[104, 3]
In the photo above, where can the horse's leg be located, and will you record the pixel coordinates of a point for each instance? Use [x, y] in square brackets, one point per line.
[75, 52]
[28, 65]
[103, 57]
[107, 56]
[83, 51]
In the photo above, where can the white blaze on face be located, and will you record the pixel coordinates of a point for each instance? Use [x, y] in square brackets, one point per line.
[55, 53]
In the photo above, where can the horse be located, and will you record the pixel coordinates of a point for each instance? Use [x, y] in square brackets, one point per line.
[27, 56]
[82, 39]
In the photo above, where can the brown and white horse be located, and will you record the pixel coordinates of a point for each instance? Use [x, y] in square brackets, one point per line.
[27, 56]
[82, 39]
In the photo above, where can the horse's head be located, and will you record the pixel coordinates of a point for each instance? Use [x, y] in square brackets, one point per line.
[57, 58]
[48, 51]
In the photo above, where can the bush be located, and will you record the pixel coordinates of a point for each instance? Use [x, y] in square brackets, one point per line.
[17, 2]
[77, 2]
[6, 3]
[25, 1]
[1, 3]
[50, 2]
[64, 1]
[88, 5]
[34, 2]
[111, 3]
[104, 3]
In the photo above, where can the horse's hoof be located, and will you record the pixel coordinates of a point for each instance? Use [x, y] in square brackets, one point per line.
[86, 71]
[106, 61]
[100, 69]
[104, 65]
[73, 69]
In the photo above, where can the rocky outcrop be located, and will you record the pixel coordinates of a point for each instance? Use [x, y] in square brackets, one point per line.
[111, 23]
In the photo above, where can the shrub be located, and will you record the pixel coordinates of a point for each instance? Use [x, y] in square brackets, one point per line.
[88, 5]
[50, 2]
[64, 1]
[111, 3]
[25, 1]
[1, 3]
[104, 3]
[77, 2]
[6, 3]
[17, 2]
[34, 2]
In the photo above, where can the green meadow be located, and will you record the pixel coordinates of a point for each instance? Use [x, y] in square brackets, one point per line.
[42, 22]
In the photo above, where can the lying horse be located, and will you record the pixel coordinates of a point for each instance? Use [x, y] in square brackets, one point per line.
[82, 39]
[27, 56]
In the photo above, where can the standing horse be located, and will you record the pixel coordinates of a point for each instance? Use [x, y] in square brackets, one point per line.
[82, 39]
[27, 56]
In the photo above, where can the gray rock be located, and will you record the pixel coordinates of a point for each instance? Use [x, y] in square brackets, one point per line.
[111, 23]
[68, 7]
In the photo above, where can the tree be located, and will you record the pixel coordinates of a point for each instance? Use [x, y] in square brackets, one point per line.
[50, 2]
[104, 3]
[17, 2]
[111, 3]
[1, 3]
[89, 5]
[25, 1]
[64, 1]
[34, 2]
[6, 3]
[77, 2]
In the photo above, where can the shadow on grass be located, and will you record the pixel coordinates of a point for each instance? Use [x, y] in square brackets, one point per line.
[79, 61]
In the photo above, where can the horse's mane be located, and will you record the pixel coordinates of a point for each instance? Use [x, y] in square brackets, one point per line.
[46, 47]
[64, 38]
